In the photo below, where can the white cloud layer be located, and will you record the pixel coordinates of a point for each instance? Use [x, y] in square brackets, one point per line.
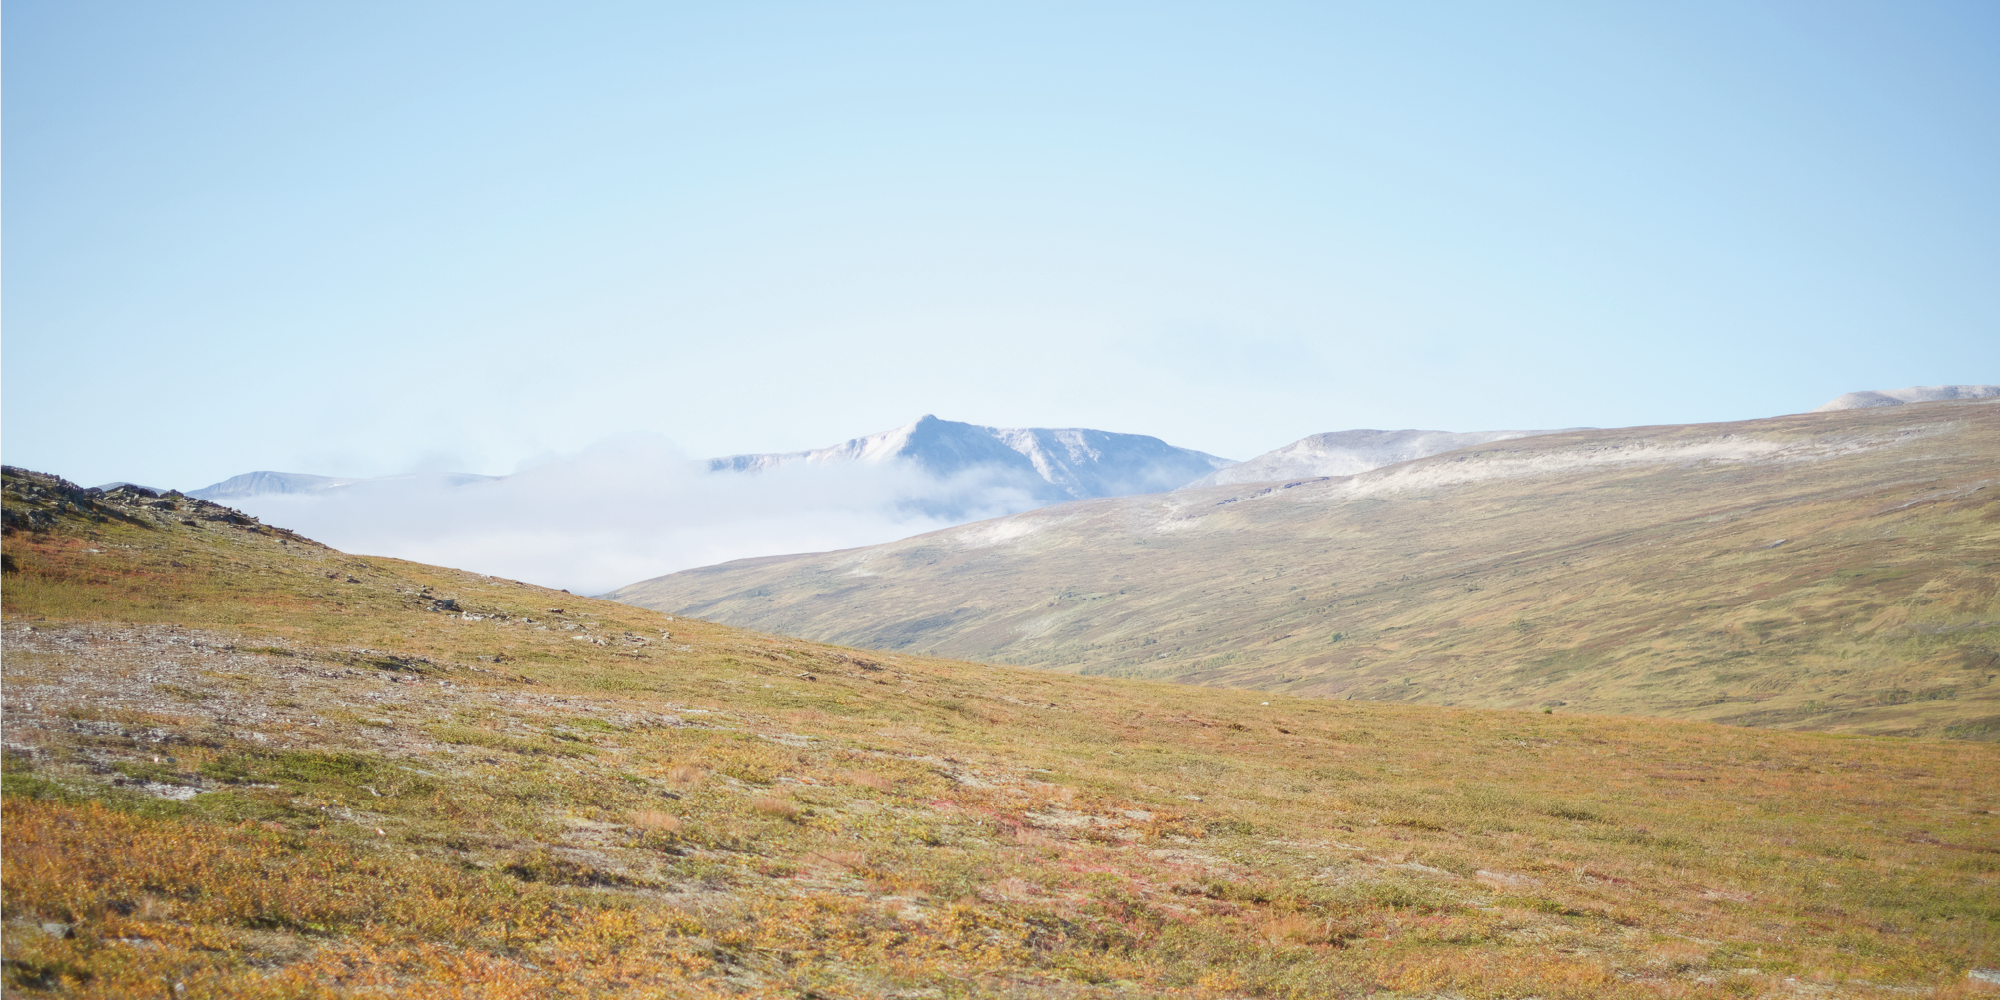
[623, 512]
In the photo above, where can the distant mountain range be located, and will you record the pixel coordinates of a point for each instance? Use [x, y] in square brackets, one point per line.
[1045, 465]
[596, 520]
[1051, 465]
[258, 484]
[601, 518]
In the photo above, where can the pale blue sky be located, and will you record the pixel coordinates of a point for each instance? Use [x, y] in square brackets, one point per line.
[358, 238]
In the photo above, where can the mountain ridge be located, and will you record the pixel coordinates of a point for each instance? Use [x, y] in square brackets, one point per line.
[1075, 463]
[1348, 453]
[1868, 399]
[1070, 463]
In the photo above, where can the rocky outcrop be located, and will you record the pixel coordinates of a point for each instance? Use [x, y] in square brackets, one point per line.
[36, 501]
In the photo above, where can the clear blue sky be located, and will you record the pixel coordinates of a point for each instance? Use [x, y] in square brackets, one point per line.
[359, 238]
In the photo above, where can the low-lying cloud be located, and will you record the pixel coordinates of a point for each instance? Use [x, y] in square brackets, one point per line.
[621, 513]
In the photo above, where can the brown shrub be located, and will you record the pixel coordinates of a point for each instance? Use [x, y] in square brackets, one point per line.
[655, 820]
[771, 805]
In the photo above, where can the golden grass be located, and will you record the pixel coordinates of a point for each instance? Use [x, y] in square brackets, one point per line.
[770, 805]
[574, 822]
[655, 820]
[866, 779]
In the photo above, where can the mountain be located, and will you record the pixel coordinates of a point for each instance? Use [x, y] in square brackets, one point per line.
[1871, 399]
[241, 761]
[1050, 465]
[1829, 570]
[259, 484]
[635, 508]
[1348, 453]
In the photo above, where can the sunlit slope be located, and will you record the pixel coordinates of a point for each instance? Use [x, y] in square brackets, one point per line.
[1829, 571]
[239, 764]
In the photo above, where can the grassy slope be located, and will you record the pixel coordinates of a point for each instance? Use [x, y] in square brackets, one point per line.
[669, 808]
[1624, 587]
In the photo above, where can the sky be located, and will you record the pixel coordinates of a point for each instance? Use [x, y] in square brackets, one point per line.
[369, 238]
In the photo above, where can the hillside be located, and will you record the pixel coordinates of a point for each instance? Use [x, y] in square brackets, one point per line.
[238, 763]
[1827, 571]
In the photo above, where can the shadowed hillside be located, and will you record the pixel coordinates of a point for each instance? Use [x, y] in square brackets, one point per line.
[1827, 571]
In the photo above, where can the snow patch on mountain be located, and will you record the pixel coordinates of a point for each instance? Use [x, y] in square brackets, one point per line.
[1002, 531]
[1869, 399]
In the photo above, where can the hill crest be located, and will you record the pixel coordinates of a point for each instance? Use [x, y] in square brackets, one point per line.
[1349, 453]
[1869, 399]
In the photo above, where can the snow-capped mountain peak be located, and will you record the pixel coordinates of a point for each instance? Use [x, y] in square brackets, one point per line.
[1051, 464]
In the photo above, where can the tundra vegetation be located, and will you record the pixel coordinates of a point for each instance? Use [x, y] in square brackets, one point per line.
[238, 763]
[1830, 571]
